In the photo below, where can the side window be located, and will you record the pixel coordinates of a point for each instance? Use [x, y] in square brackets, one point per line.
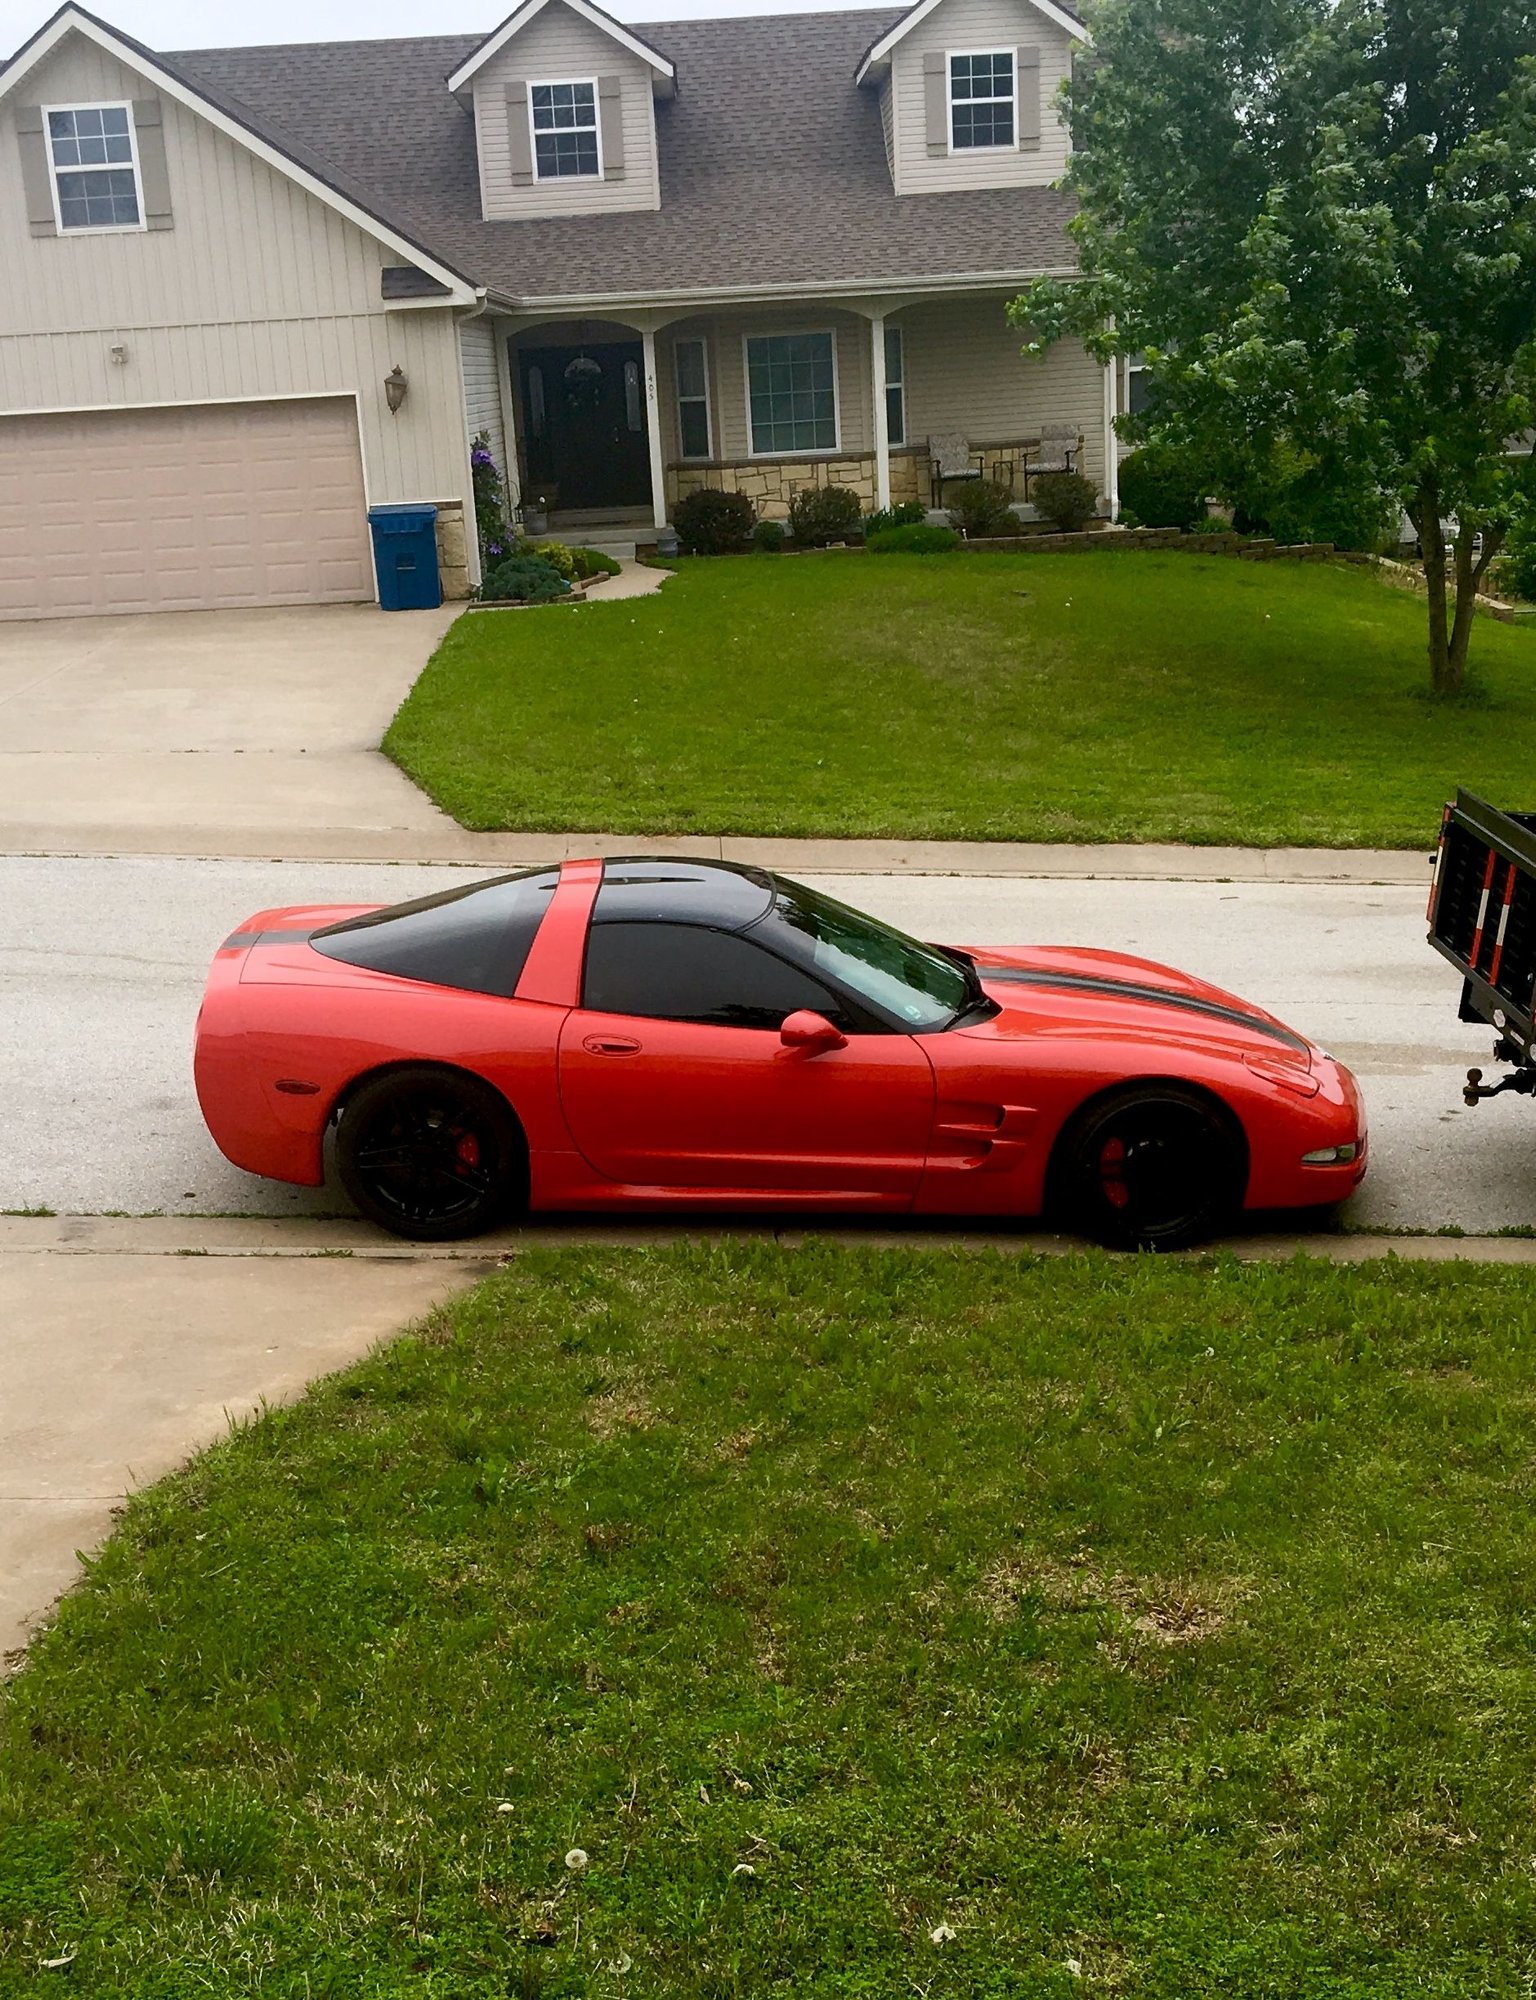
[476, 938]
[681, 972]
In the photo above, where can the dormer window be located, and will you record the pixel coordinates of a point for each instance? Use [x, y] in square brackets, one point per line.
[565, 143]
[981, 100]
[94, 166]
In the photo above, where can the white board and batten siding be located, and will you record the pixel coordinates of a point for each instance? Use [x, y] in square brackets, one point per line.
[257, 291]
[557, 46]
[972, 27]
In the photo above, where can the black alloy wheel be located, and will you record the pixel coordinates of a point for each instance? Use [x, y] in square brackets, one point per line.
[431, 1154]
[1153, 1167]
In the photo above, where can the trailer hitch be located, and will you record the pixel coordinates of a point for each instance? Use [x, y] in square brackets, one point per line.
[1521, 1081]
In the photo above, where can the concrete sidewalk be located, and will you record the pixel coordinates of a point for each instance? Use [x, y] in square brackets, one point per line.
[439, 839]
[114, 1368]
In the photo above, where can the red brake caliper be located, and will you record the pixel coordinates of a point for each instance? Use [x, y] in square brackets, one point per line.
[467, 1151]
[1112, 1173]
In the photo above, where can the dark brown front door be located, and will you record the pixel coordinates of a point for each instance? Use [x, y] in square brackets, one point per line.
[584, 420]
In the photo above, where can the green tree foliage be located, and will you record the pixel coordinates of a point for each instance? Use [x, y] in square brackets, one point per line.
[1317, 219]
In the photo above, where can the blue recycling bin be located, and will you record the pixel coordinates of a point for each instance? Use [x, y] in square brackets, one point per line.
[405, 556]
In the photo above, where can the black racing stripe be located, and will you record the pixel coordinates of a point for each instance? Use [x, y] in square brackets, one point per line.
[1127, 989]
[239, 940]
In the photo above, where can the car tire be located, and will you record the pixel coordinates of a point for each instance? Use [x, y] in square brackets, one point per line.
[431, 1154]
[1155, 1166]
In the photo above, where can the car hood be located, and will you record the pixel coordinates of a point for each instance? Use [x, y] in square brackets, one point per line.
[1046, 989]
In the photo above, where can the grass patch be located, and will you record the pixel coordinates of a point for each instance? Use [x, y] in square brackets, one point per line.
[985, 697]
[873, 1622]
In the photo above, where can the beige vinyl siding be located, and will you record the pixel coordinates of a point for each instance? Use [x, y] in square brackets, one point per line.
[482, 388]
[964, 372]
[973, 25]
[257, 290]
[557, 46]
[888, 123]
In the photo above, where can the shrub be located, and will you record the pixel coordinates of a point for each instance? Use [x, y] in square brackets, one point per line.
[819, 515]
[1161, 488]
[1516, 566]
[1066, 499]
[912, 538]
[710, 523]
[529, 577]
[557, 555]
[1354, 516]
[592, 562]
[768, 537]
[981, 507]
[906, 514]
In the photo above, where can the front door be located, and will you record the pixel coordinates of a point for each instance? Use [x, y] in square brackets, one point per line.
[584, 420]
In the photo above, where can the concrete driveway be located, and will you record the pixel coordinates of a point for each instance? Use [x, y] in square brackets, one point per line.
[145, 731]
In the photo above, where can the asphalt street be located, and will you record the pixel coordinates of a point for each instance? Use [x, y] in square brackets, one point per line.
[102, 963]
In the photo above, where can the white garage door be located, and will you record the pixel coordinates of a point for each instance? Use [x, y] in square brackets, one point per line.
[182, 509]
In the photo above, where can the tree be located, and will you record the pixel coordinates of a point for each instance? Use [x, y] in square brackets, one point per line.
[1317, 220]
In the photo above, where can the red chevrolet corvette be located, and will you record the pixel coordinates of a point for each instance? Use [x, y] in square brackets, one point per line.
[661, 1033]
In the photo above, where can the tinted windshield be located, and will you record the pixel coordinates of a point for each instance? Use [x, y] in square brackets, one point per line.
[902, 979]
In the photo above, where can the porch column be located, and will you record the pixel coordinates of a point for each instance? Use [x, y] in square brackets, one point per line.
[882, 417]
[1111, 445]
[509, 467]
[653, 430]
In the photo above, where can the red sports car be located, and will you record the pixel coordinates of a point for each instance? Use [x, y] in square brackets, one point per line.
[687, 1034]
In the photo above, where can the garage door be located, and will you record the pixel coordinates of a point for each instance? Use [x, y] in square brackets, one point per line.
[182, 509]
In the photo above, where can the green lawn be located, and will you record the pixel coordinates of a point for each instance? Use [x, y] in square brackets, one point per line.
[1102, 697]
[876, 1623]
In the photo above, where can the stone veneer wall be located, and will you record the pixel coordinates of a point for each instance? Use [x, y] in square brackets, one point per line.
[453, 550]
[771, 483]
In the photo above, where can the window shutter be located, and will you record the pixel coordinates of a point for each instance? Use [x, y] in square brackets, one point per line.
[1027, 78]
[519, 145]
[36, 174]
[154, 176]
[936, 100]
[610, 121]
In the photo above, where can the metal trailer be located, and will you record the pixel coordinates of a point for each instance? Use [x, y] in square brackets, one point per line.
[1482, 918]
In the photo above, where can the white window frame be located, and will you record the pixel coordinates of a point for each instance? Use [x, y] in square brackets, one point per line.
[699, 341]
[95, 228]
[965, 152]
[535, 135]
[899, 385]
[791, 333]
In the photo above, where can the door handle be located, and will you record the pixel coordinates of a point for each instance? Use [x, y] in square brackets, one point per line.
[611, 1045]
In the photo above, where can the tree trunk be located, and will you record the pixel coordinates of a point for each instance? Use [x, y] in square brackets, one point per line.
[1469, 577]
[1444, 677]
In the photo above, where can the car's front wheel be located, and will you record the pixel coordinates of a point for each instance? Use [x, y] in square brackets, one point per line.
[431, 1154]
[1155, 1166]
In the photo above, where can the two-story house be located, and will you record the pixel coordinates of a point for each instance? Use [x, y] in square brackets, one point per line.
[248, 292]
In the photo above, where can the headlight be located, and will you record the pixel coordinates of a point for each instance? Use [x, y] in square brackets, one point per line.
[1332, 1156]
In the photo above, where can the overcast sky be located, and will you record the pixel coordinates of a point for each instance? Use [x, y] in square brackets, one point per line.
[189, 24]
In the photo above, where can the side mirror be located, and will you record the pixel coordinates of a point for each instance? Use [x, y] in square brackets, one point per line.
[805, 1029]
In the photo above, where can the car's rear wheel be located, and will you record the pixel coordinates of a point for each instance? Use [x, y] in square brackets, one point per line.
[1155, 1166]
[431, 1154]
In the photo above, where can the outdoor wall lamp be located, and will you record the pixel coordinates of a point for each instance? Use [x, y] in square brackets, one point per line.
[395, 386]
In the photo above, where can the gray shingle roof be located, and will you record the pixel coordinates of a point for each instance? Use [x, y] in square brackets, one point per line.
[773, 167]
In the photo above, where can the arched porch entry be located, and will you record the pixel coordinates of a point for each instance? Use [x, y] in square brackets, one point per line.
[587, 422]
